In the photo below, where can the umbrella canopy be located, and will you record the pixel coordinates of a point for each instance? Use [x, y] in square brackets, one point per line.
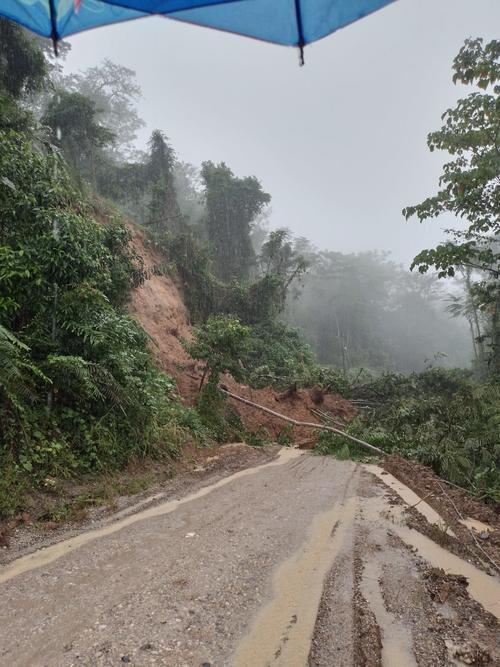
[288, 22]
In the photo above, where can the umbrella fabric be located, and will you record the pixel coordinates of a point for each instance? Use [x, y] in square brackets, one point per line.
[289, 22]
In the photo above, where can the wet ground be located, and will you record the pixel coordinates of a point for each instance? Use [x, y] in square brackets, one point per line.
[303, 560]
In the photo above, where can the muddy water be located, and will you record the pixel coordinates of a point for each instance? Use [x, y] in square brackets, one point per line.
[282, 632]
[55, 551]
[476, 526]
[410, 497]
[396, 638]
[484, 588]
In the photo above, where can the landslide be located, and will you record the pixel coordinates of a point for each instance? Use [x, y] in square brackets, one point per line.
[158, 305]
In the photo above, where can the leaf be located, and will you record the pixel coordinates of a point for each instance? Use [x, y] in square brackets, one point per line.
[6, 181]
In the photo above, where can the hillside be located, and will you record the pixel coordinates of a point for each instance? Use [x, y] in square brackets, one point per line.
[159, 307]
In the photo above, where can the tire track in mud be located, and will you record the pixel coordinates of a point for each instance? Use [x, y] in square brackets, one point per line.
[282, 632]
[381, 604]
[307, 563]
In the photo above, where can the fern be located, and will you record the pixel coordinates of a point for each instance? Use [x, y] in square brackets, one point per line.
[18, 374]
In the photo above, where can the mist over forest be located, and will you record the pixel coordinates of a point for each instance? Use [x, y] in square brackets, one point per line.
[90, 215]
[355, 310]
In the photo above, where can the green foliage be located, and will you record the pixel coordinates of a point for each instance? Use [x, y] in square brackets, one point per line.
[470, 183]
[22, 73]
[342, 448]
[75, 128]
[164, 214]
[78, 388]
[279, 259]
[253, 302]
[441, 418]
[220, 343]
[22, 65]
[18, 374]
[218, 418]
[232, 204]
[278, 355]
[115, 92]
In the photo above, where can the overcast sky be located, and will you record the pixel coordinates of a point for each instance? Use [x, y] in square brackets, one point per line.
[340, 144]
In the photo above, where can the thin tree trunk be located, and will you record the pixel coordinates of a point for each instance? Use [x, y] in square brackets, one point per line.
[495, 337]
[320, 427]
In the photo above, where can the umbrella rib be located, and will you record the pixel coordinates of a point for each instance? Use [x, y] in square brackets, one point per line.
[53, 23]
[300, 30]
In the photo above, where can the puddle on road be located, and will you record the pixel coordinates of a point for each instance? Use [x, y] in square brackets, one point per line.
[49, 554]
[410, 497]
[476, 525]
[282, 632]
[396, 638]
[484, 588]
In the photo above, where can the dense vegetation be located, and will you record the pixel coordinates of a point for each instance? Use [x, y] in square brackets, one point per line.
[449, 420]
[78, 389]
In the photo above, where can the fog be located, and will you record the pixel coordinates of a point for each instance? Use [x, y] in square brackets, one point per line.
[340, 143]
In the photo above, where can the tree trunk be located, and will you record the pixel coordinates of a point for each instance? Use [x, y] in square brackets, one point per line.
[495, 337]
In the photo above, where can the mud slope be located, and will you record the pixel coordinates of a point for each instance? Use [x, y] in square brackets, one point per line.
[158, 305]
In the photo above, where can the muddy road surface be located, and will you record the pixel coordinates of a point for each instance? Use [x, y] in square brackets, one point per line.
[303, 560]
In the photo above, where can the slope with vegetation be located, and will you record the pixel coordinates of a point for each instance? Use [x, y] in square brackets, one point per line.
[132, 283]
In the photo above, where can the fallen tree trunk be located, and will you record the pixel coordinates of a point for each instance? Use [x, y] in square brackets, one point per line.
[322, 427]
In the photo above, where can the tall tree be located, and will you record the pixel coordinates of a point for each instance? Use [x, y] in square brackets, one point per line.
[232, 205]
[75, 128]
[115, 93]
[470, 183]
[164, 212]
[279, 259]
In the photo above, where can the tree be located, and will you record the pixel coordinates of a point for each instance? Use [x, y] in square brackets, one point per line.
[470, 183]
[279, 259]
[115, 92]
[164, 212]
[466, 304]
[364, 310]
[75, 128]
[220, 343]
[232, 205]
[22, 72]
[189, 193]
[22, 65]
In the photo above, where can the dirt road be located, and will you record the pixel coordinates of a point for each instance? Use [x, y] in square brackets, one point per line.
[301, 561]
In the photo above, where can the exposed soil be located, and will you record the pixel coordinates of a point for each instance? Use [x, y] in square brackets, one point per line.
[311, 561]
[297, 404]
[158, 305]
[450, 502]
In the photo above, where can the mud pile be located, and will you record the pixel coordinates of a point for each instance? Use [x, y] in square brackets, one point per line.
[297, 404]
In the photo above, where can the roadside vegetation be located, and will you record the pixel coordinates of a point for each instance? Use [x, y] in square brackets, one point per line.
[79, 391]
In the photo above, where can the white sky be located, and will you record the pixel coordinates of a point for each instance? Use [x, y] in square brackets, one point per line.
[340, 144]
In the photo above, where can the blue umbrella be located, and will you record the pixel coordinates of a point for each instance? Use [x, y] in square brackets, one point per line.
[288, 22]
